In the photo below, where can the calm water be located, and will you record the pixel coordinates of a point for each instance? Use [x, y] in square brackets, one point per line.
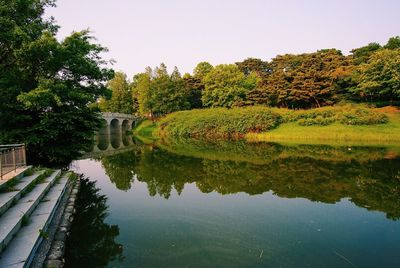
[194, 204]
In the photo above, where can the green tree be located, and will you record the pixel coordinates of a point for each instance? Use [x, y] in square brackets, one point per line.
[227, 86]
[202, 69]
[379, 78]
[362, 54]
[194, 89]
[47, 87]
[261, 68]
[122, 99]
[393, 43]
[305, 80]
[160, 93]
[142, 92]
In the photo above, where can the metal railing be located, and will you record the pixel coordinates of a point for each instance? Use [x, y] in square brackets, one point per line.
[12, 156]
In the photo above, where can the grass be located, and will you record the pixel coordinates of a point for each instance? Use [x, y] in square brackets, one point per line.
[338, 125]
[388, 133]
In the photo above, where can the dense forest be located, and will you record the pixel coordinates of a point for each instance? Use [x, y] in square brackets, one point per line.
[369, 74]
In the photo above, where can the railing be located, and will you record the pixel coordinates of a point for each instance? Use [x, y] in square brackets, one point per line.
[12, 156]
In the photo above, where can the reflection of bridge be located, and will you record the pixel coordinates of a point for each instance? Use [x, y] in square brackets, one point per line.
[115, 134]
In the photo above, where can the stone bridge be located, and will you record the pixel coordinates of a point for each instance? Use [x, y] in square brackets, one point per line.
[115, 133]
[118, 120]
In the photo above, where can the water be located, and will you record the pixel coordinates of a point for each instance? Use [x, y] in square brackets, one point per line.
[197, 204]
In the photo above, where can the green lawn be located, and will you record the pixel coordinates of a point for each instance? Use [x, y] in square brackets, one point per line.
[292, 132]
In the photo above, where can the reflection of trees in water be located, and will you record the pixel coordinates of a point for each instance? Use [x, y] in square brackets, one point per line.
[91, 242]
[119, 168]
[318, 173]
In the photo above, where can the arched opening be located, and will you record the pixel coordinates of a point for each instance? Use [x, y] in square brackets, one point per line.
[115, 133]
[103, 136]
[126, 126]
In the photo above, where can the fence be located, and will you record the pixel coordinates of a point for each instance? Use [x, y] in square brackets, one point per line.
[12, 156]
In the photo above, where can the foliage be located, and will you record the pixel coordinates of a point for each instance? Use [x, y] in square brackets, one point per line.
[227, 86]
[122, 98]
[379, 77]
[362, 54]
[160, 93]
[46, 86]
[202, 69]
[193, 89]
[236, 123]
[249, 65]
[304, 81]
[218, 122]
[361, 116]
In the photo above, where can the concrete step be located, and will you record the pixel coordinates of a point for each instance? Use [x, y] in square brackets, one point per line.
[12, 220]
[20, 252]
[14, 175]
[23, 184]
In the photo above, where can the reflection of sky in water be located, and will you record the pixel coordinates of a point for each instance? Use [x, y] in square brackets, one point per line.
[196, 229]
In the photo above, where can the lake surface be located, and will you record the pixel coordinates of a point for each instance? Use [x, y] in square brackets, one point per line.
[198, 204]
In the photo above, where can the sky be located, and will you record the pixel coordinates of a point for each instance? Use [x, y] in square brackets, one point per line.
[183, 33]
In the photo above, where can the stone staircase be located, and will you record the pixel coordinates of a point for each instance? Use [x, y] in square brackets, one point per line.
[27, 207]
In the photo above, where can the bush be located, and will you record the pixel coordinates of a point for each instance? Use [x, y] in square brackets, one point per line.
[319, 120]
[219, 122]
[347, 114]
[362, 116]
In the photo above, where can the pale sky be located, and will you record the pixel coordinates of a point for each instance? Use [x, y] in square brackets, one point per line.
[183, 33]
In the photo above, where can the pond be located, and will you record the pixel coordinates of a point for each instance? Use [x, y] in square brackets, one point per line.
[197, 204]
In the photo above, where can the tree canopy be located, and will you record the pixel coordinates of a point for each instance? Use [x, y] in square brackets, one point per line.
[160, 93]
[122, 99]
[226, 86]
[47, 86]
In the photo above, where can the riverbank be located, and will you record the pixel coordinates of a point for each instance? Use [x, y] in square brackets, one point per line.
[343, 125]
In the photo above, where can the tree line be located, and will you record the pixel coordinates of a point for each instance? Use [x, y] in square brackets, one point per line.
[369, 74]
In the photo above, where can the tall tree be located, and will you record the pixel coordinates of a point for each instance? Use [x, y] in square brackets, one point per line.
[306, 80]
[379, 78]
[227, 86]
[194, 88]
[160, 93]
[202, 69]
[257, 66]
[122, 99]
[362, 54]
[393, 43]
[46, 86]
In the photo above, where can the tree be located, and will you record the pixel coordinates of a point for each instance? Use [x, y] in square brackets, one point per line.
[393, 43]
[160, 93]
[46, 86]
[305, 80]
[193, 90]
[122, 99]
[261, 68]
[361, 55]
[379, 78]
[202, 69]
[142, 92]
[226, 86]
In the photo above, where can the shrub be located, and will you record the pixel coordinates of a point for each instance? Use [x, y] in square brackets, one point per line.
[362, 116]
[318, 120]
[219, 122]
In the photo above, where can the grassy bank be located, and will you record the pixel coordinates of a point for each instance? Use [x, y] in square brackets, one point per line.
[349, 124]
